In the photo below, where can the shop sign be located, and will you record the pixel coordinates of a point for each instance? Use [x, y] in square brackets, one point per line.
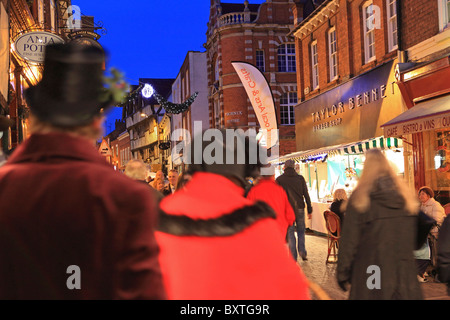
[418, 125]
[352, 111]
[31, 46]
[261, 98]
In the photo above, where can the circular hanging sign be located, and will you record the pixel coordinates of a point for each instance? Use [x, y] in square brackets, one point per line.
[147, 91]
[31, 46]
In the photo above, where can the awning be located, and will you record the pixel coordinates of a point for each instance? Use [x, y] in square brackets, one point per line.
[345, 149]
[428, 115]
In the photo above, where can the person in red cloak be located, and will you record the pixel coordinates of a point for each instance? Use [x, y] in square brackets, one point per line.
[215, 244]
[273, 194]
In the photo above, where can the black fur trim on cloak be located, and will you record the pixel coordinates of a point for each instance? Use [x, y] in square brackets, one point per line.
[225, 225]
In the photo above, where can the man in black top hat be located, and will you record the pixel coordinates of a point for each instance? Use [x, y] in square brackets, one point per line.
[70, 226]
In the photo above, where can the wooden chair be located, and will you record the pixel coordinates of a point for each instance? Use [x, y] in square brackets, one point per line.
[333, 224]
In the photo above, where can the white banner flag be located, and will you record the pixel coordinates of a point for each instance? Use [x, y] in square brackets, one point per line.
[260, 95]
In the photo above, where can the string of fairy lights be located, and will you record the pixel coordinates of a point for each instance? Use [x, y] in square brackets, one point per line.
[147, 91]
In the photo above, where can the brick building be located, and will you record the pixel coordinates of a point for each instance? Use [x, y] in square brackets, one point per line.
[422, 76]
[346, 57]
[257, 34]
[373, 73]
[191, 78]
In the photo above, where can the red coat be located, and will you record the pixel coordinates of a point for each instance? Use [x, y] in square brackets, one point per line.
[61, 204]
[216, 244]
[273, 194]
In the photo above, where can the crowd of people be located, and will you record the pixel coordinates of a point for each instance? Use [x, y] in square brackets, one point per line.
[203, 234]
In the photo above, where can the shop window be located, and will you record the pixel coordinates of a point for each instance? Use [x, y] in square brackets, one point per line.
[442, 155]
[314, 65]
[286, 58]
[444, 14]
[287, 103]
[392, 24]
[332, 52]
[369, 31]
[260, 60]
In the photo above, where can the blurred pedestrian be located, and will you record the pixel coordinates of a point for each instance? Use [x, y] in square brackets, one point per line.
[172, 185]
[84, 231]
[218, 245]
[267, 190]
[443, 250]
[158, 185]
[297, 191]
[137, 170]
[183, 179]
[431, 207]
[379, 235]
[338, 204]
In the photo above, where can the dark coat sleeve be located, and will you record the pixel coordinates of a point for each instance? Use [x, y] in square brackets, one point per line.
[138, 270]
[306, 195]
[348, 245]
[443, 249]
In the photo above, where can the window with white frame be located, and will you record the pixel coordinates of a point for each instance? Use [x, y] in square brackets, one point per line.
[392, 24]
[314, 65]
[287, 103]
[444, 14]
[332, 51]
[286, 58]
[369, 31]
[260, 60]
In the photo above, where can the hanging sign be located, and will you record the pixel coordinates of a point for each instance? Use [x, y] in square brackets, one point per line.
[261, 98]
[31, 46]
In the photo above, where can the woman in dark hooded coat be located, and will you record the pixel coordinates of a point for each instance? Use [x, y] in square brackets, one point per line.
[379, 236]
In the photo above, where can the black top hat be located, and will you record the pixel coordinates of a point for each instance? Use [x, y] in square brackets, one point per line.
[70, 91]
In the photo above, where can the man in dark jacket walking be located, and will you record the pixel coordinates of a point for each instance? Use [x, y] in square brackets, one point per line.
[297, 191]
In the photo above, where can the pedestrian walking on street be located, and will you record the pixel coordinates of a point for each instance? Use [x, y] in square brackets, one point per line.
[70, 226]
[443, 250]
[297, 191]
[215, 243]
[379, 236]
[137, 170]
[267, 190]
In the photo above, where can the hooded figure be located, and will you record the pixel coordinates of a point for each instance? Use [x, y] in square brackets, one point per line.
[216, 244]
[379, 236]
[70, 226]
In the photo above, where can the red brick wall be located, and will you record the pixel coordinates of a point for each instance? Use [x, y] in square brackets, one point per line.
[420, 21]
[238, 43]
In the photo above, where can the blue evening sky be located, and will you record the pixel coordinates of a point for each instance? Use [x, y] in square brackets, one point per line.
[149, 38]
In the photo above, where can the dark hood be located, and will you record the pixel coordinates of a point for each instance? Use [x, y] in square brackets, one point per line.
[385, 191]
